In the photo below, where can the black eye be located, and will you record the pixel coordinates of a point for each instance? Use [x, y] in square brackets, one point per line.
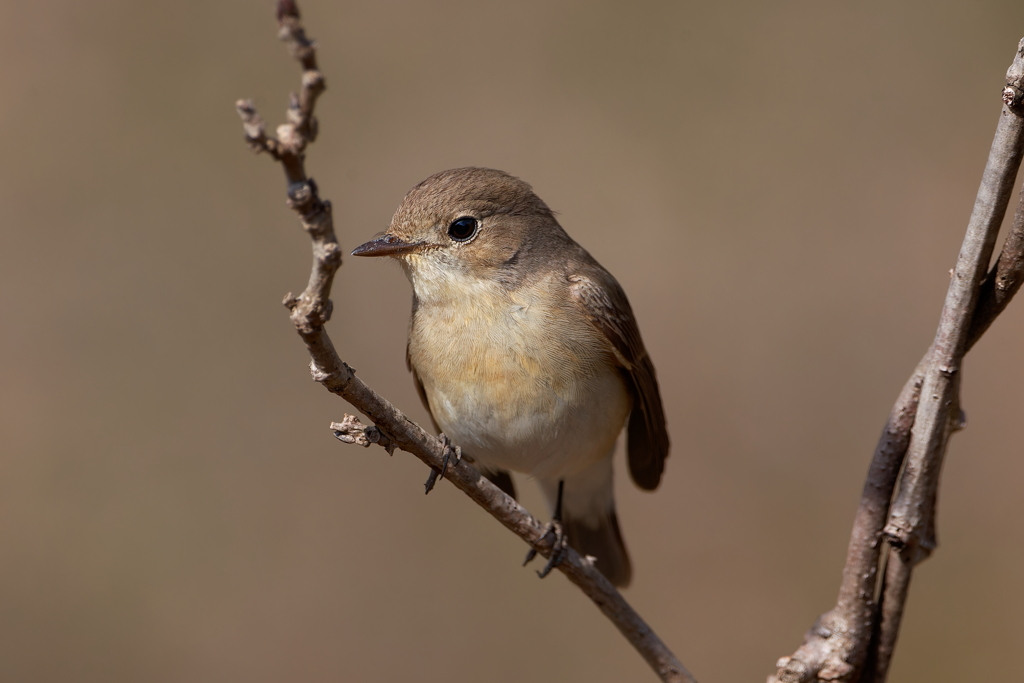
[461, 229]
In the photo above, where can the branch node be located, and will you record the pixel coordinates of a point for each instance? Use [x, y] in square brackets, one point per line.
[289, 137]
[330, 253]
[319, 374]
[313, 80]
[254, 128]
[792, 670]
[351, 430]
[310, 315]
[301, 195]
[836, 670]
[896, 536]
[1012, 96]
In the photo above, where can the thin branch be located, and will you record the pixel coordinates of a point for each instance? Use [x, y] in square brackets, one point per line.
[1003, 280]
[837, 645]
[312, 309]
[1006, 276]
[911, 527]
[858, 630]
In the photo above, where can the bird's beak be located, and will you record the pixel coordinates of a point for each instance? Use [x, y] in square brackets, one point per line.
[386, 245]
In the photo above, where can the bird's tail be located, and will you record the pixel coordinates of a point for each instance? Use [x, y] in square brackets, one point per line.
[601, 538]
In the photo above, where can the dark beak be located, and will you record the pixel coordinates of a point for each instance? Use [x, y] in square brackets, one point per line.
[386, 245]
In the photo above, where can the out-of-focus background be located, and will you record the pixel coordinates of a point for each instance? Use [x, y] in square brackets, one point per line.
[780, 187]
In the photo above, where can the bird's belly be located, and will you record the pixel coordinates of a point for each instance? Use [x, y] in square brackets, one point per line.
[535, 432]
[518, 398]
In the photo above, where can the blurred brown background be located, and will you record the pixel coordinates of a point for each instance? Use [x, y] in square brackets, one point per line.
[780, 187]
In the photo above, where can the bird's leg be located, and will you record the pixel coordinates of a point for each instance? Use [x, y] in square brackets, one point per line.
[555, 529]
[448, 451]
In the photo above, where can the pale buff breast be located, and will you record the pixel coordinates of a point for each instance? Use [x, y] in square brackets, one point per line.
[519, 379]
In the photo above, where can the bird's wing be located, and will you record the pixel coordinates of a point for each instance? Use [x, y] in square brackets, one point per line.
[602, 299]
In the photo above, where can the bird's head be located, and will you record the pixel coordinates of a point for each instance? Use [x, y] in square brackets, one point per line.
[469, 222]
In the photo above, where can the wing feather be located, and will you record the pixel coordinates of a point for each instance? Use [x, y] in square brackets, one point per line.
[608, 309]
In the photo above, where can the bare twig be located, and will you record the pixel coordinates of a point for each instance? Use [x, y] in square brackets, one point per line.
[837, 644]
[312, 309]
[1006, 276]
[911, 527]
[857, 630]
[1003, 280]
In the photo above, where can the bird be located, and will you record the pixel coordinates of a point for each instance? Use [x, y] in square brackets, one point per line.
[525, 351]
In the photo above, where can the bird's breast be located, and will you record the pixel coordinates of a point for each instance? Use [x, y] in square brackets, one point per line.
[521, 380]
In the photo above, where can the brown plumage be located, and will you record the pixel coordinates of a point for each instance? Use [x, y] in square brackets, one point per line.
[525, 350]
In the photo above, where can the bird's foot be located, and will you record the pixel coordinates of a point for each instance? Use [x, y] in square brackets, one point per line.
[449, 451]
[558, 547]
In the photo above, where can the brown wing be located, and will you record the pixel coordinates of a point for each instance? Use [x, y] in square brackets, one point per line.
[601, 296]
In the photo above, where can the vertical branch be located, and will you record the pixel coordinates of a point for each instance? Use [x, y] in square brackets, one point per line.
[311, 310]
[911, 527]
[857, 629]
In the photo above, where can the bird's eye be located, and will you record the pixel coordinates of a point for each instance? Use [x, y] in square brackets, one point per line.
[461, 229]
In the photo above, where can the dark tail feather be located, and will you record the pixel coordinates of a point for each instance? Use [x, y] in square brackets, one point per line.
[503, 480]
[604, 542]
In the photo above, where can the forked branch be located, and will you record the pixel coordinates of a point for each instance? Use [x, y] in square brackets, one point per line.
[854, 641]
[311, 310]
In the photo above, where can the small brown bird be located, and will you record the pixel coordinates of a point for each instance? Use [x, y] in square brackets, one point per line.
[525, 350]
